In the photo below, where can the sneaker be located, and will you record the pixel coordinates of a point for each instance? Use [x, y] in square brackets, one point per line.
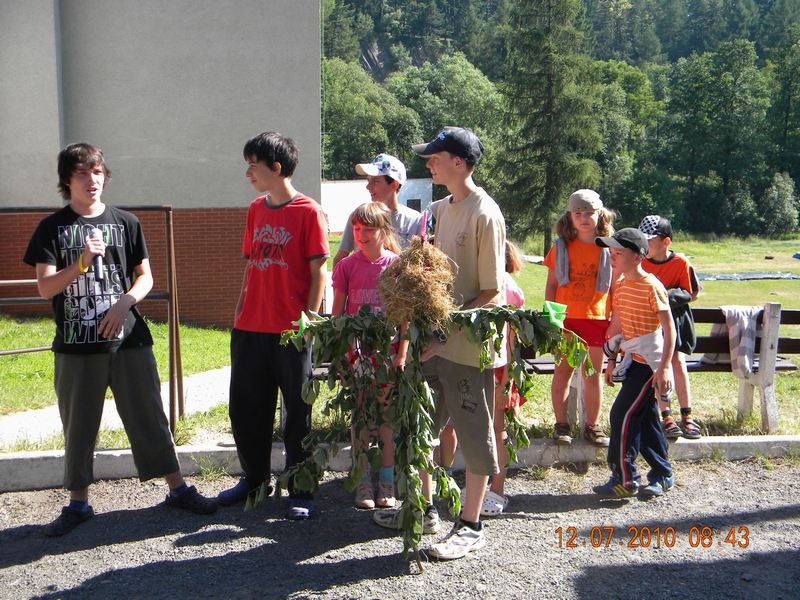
[612, 489]
[364, 495]
[691, 430]
[390, 518]
[561, 434]
[658, 486]
[459, 542]
[300, 509]
[671, 429]
[595, 435]
[68, 520]
[385, 497]
[237, 493]
[192, 500]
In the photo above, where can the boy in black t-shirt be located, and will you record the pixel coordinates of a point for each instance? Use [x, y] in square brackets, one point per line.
[101, 339]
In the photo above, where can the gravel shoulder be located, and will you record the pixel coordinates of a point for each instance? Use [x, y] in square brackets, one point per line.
[137, 547]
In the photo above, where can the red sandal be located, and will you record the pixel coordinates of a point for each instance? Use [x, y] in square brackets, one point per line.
[691, 430]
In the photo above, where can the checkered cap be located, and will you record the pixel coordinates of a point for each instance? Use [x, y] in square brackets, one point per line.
[654, 226]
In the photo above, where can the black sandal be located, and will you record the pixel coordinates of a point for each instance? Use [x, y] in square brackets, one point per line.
[191, 500]
[68, 520]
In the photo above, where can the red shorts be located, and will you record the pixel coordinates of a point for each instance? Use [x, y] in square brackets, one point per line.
[514, 399]
[357, 358]
[591, 330]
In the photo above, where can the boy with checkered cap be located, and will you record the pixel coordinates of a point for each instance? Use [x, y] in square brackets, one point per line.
[677, 274]
[640, 314]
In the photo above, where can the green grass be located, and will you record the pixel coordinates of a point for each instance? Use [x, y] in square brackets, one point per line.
[714, 395]
[26, 381]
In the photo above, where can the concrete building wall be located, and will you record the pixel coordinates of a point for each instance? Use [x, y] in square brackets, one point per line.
[29, 103]
[170, 91]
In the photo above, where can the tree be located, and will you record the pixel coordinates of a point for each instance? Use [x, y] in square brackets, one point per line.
[338, 36]
[719, 102]
[704, 25]
[552, 132]
[784, 112]
[612, 29]
[778, 206]
[670, 19]
[741, 19]
[358, 117]
[449, 92]
[782, 14]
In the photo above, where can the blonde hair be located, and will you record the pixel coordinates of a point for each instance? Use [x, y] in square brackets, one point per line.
[514, 262]
[605, 224]
[375, 214]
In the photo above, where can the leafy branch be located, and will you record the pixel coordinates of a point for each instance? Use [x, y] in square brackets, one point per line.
[357, 351]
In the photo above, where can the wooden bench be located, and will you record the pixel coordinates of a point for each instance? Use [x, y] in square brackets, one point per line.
[766, 364]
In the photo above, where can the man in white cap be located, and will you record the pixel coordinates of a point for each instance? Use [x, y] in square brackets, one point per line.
[385, 176]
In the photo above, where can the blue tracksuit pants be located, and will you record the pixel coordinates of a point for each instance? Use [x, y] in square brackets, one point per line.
[635, 427]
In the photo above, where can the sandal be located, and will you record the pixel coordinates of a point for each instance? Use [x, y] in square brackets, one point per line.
[691, 430]
[671, 429]
[493, 504]
[68, 520]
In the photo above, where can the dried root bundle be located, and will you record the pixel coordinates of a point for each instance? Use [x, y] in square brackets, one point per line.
[418, 286]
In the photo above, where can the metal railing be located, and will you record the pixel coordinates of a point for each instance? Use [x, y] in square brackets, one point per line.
[176, 402]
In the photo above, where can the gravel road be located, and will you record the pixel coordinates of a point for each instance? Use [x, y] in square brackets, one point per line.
[136, 547]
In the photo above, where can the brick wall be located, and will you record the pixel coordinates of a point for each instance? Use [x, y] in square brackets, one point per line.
[208, 260]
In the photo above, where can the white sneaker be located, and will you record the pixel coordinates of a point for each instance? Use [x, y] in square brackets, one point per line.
[459, 542]
[390, 518]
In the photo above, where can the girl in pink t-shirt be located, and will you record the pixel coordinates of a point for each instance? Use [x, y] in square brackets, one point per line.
[580, 277]
[355, 283]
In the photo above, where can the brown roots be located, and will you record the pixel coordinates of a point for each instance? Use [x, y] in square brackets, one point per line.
[418, 286]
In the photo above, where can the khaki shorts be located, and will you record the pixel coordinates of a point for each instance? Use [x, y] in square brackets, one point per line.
[465, 396]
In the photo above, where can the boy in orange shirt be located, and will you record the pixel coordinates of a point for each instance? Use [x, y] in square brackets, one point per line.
[640, 312]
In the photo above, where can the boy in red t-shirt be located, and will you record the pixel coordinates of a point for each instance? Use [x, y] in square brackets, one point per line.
[286, 246]
[677, 274]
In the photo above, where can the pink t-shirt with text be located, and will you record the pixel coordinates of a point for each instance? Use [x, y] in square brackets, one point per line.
[358, 278]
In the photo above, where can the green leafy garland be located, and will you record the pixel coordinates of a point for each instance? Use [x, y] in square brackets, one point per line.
[410, 403]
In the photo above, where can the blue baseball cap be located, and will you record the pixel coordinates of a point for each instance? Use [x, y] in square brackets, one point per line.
[458, 141]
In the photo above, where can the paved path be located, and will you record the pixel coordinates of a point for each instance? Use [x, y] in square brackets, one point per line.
[201, 392]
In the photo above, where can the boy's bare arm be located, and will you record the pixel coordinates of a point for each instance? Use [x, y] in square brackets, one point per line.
[662, 378]
[484, 298]
[240, 303]
[319, 267]
[339, 256]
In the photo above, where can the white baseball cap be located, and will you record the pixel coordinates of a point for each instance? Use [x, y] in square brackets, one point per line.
[384, 164]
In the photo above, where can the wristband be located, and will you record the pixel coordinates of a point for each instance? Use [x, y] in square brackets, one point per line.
[80, 264]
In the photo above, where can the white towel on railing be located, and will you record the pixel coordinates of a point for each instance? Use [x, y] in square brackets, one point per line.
[741, 323]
